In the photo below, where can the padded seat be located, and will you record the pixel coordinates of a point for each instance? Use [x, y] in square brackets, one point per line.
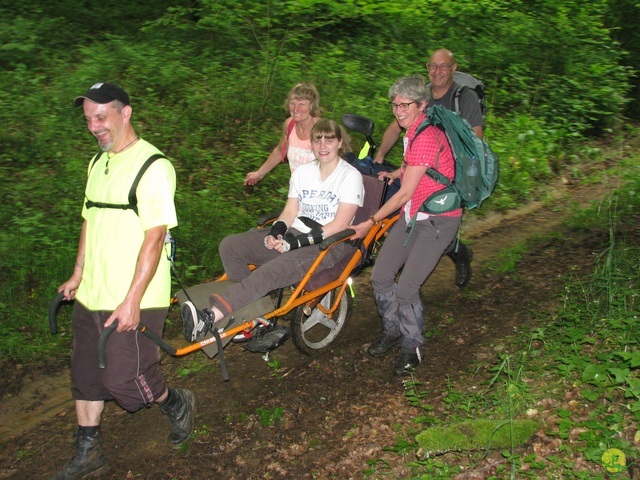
[374, 191]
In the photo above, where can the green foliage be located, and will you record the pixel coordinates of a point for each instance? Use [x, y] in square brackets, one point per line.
[269, 418]
[626, 32]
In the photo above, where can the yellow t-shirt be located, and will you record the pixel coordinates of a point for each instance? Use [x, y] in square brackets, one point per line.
[114, 236]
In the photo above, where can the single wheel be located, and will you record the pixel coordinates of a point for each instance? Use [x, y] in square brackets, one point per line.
[311, 334]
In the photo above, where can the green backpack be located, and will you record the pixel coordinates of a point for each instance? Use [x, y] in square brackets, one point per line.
[476, 165]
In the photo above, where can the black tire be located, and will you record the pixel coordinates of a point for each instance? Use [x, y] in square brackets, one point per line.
[314, 333]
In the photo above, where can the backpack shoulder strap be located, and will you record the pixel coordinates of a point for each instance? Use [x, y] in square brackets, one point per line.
[95, 159]
[431, 171]
[456, 97]
[292, 124]
[423, 126]
[133, 198]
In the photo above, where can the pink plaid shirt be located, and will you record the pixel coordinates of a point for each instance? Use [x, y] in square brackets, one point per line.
[430, 148]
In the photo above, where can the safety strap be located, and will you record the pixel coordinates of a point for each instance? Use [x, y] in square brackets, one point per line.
[133, 198]
[316, 233]
[223, 362]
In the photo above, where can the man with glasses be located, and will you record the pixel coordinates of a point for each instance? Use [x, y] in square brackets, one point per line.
[441, 67]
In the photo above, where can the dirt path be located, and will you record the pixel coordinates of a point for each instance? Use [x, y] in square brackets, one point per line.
[335, 411]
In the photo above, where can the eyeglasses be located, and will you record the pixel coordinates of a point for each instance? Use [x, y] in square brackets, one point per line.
[432, 67]
[403, 107]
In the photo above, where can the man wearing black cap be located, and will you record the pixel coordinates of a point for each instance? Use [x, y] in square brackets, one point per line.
[121, 274]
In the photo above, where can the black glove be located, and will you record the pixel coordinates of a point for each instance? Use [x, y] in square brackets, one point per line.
[278, 228]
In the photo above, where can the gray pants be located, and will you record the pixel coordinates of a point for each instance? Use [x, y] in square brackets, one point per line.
[417, 253]
[275, 269]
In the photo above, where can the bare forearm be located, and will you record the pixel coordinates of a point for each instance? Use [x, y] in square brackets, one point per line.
[393, 204]
[389, 139]
[79, 265]
[341, 221]
[147, 263]
[271, 162]
[408, 187]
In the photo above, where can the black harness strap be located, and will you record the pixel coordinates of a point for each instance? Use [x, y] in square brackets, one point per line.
[223, 362]
[133, 198]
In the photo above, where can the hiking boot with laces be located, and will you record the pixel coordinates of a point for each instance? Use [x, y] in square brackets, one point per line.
[382, 345]
[196, 323]
[407, 363]
[180, 408]
[89, 459]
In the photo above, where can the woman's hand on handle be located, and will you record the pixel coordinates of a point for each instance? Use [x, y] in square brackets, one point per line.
[361, 229]
[389, 176]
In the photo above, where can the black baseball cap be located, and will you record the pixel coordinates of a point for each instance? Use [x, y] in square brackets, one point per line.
[103, 93]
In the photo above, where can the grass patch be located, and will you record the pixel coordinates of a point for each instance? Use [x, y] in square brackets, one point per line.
[475, 435]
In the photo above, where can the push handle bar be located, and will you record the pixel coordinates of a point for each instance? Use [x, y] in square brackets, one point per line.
[106, 333]
[53, 310]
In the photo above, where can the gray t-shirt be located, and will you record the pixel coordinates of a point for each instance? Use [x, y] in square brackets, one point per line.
[469, 104]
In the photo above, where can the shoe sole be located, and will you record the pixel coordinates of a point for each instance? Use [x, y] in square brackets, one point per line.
[100, 471]
[190, 321]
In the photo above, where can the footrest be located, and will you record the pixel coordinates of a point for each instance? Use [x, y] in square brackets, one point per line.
[268, 339]
[199, 295]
